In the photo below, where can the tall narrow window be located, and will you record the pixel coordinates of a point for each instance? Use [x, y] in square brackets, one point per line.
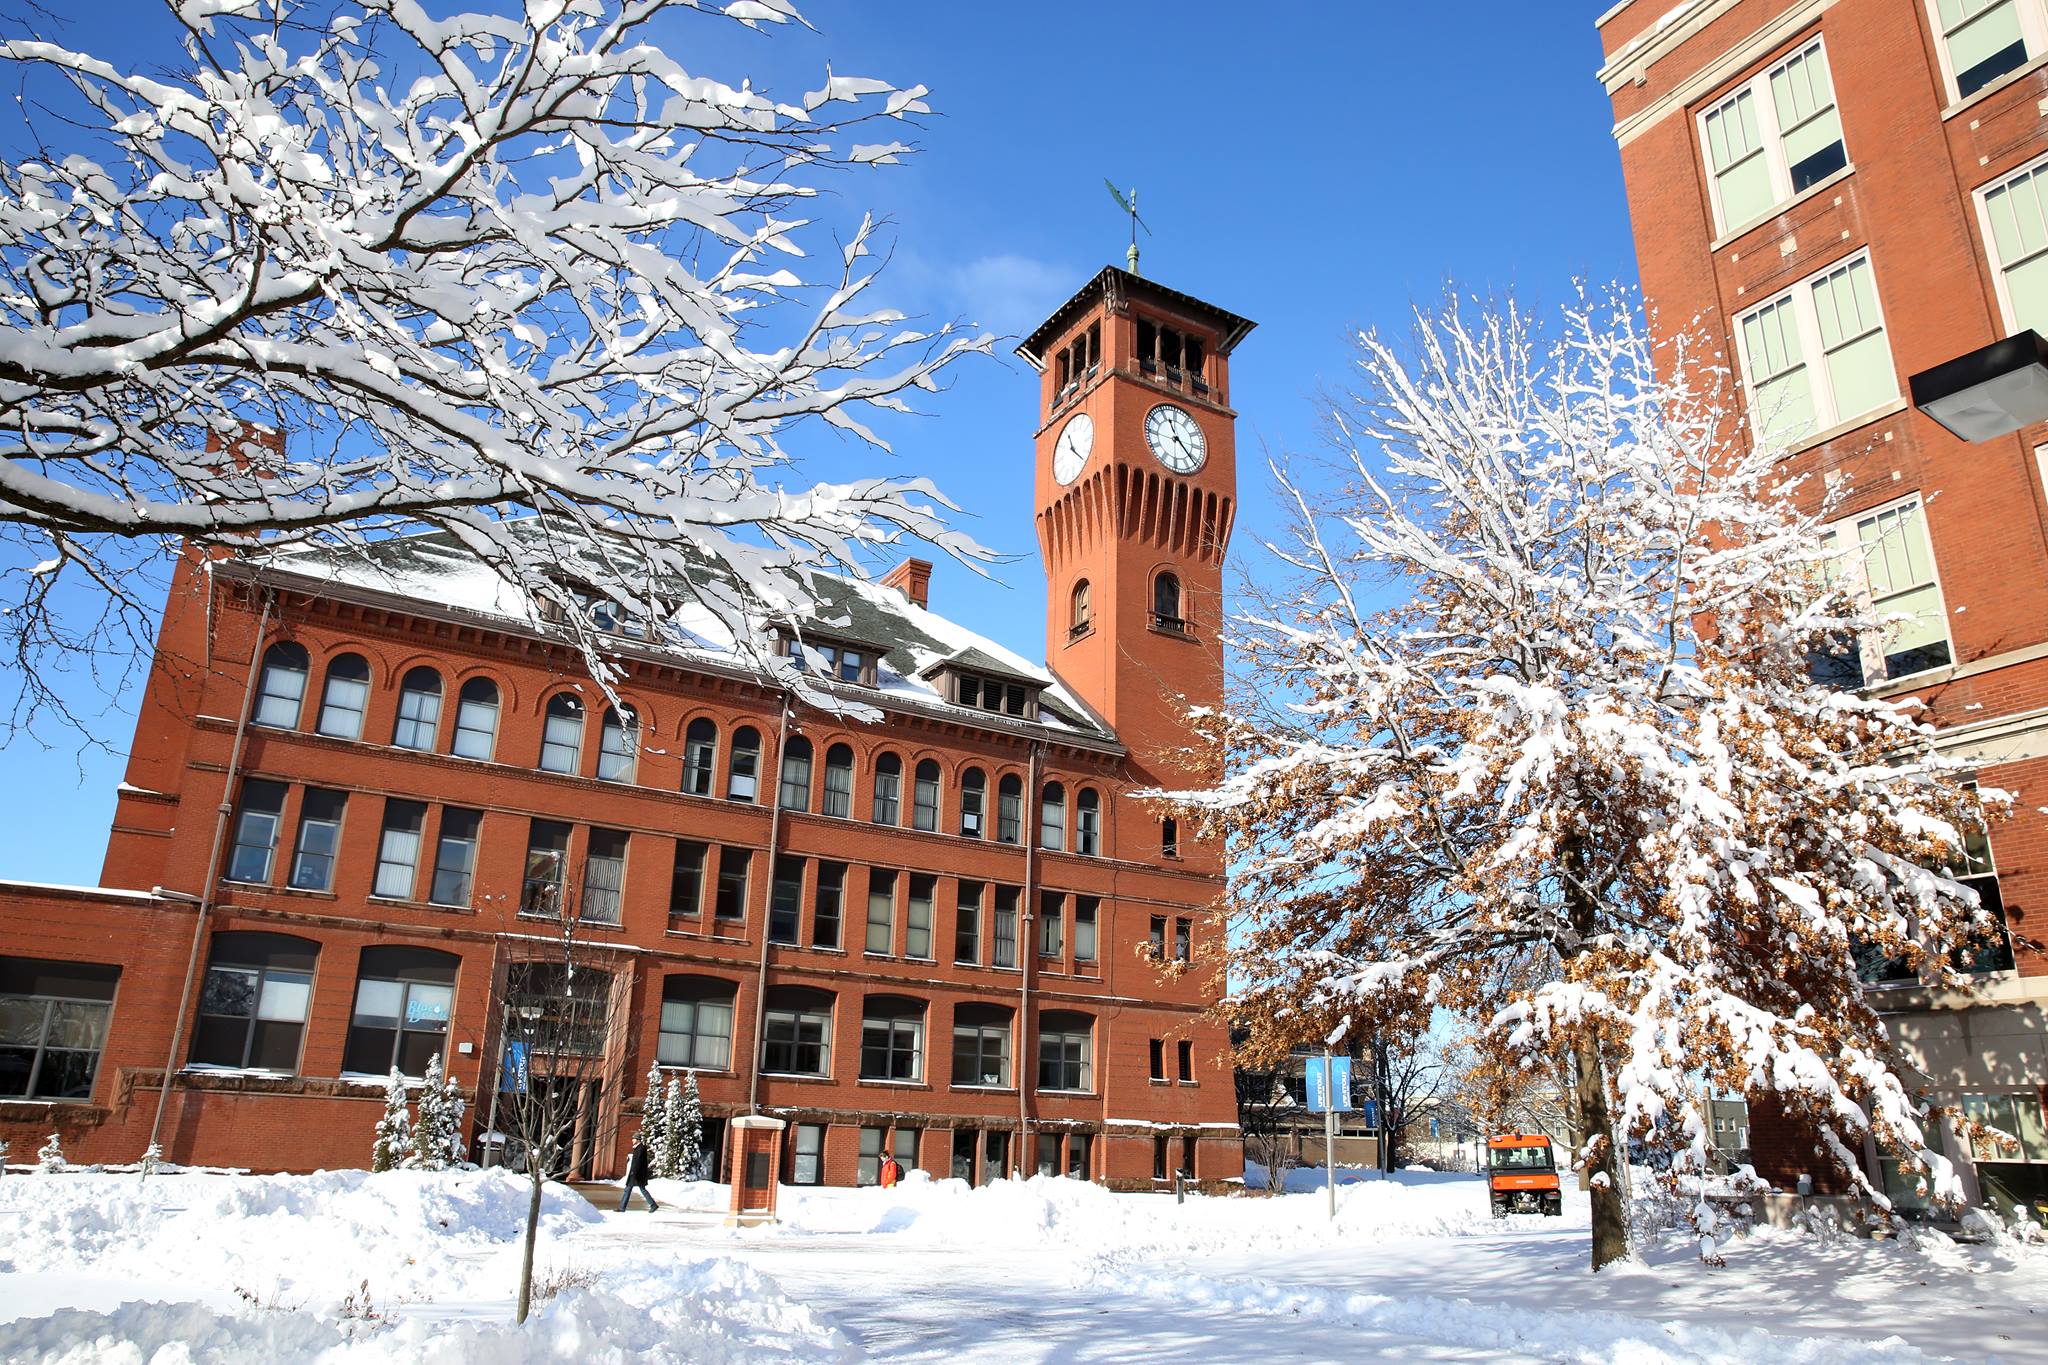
[1066, 1051]
[807, 1155]
[796, 773]
[1777, 134]
[1052, 818]
[881, 936]
[252, 1005]
[743, 782]
[839, 781]
[618, 746]
[1169, 837]
[282, 689]
[1088, 822]
[53, 1026]
[604, 877]
[404, 999]
[1816, 355]
[419, 710]
[828, 905]
[1010, 809]
[686, 881]
[1157, 935]
[476, 720]
[455, 856]
[1052, 924]
[547, 865]
[734, 865]
[973, 802]
[1893, 577]
[888, 789]
[696, 1023]
[924, 805]
[561, 736]
[1166, 613]
[1003, 928]
[786, 900]
[256, 830]
[319, 839]
[2014, 216]
[700, 756]
[1081, 610]
[398, 849]
[1185, 1054]
[981, 1045]
[917, 916]
[1982, 40]
[892, 1039]
[1156, 1050]
[967, 923]
[1086, 909]
[1183, 941]
[345, 698]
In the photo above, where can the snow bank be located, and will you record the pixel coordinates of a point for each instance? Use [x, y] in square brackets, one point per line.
[295, 1240]
[710, 1313]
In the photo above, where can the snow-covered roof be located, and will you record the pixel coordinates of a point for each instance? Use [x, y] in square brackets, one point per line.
[915, 643]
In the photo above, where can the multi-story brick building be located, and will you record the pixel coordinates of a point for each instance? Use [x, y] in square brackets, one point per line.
[923, 911]
[1845, 194]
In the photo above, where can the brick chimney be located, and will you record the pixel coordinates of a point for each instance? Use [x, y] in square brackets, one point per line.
[912, 578]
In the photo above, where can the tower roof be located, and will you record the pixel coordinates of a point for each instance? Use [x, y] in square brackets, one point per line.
[1118, 282]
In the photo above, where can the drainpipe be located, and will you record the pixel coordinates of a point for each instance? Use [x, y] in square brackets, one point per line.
[767, 909]
[206, 889]
[1027, 949]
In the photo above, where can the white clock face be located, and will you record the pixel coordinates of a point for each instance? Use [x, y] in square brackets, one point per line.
[1070, 456]
[1176, 441]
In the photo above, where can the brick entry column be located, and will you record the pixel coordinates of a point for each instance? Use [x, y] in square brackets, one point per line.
[756, 1163]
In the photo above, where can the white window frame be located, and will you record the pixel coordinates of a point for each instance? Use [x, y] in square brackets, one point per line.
[2033, 29]
[1759, 88]
[1980, 200]
[1870, 646]
[1826, 420]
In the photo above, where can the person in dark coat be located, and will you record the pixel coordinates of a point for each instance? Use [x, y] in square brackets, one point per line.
[638, 1167]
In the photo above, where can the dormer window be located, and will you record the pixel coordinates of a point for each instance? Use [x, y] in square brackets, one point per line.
[995, 695]
[597, 611]
[843, 662]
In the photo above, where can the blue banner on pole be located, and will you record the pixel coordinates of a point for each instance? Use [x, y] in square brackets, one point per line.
[514, 1078]
[1371, 1109]
[1329, 1084]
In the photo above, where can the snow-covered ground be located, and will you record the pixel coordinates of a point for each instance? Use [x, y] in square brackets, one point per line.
[222, 1268]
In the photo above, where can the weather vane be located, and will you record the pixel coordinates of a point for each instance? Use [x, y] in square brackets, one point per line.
[1129, 204]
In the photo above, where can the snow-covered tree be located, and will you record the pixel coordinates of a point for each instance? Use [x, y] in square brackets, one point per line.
[152, 1158]
[654, 1129]
[435, 1133]
[50, 1159]
[3, 1158]
[687, 1127]
[393, 1147]
[325, 273]
[1528, 730]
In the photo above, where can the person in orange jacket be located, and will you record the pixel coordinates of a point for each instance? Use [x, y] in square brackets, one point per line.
[891, 1172]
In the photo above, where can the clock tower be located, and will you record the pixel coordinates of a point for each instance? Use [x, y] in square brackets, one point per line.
[1136, 484]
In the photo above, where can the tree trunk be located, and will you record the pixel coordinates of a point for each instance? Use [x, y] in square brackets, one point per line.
[532, 1232]
[1610, 1215]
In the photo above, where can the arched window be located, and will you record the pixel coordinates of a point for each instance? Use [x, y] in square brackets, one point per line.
[476, 720]
[419, 710]
[796, 1032]
[404, 997]
[283, 686]
[345, 698]
[796, 773]
[1082, 616]
[1010, 809]
[561, 736]
[743, 780]
[1066, 1051]
[700, 757]
[1088, 822]
[973, 802]
[888, 790]
[252, 1007]
[1169, 837]
[1052, 818]
[981, 1045]
[1166, 602]
[696, 1023]
[924, 796]
[839, 781]
[892, 1039]
[618, 746]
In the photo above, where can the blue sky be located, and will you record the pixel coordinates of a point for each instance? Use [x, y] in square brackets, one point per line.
[1318, 169]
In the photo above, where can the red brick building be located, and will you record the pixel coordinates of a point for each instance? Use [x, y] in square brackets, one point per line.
[941, 925]
[1846, 193]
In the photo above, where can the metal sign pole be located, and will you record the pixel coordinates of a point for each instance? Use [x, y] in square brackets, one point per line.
[1330, 1130]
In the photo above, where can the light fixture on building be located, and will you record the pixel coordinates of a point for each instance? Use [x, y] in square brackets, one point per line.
[1992, 391]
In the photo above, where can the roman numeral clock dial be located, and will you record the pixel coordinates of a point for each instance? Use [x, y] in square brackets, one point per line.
[1176, 440]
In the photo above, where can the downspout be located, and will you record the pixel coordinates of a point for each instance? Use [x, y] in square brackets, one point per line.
[220, 829]
[768, 908]
[1027, 949]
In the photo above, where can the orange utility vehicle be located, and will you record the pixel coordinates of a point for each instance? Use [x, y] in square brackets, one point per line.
[1521, 1175]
